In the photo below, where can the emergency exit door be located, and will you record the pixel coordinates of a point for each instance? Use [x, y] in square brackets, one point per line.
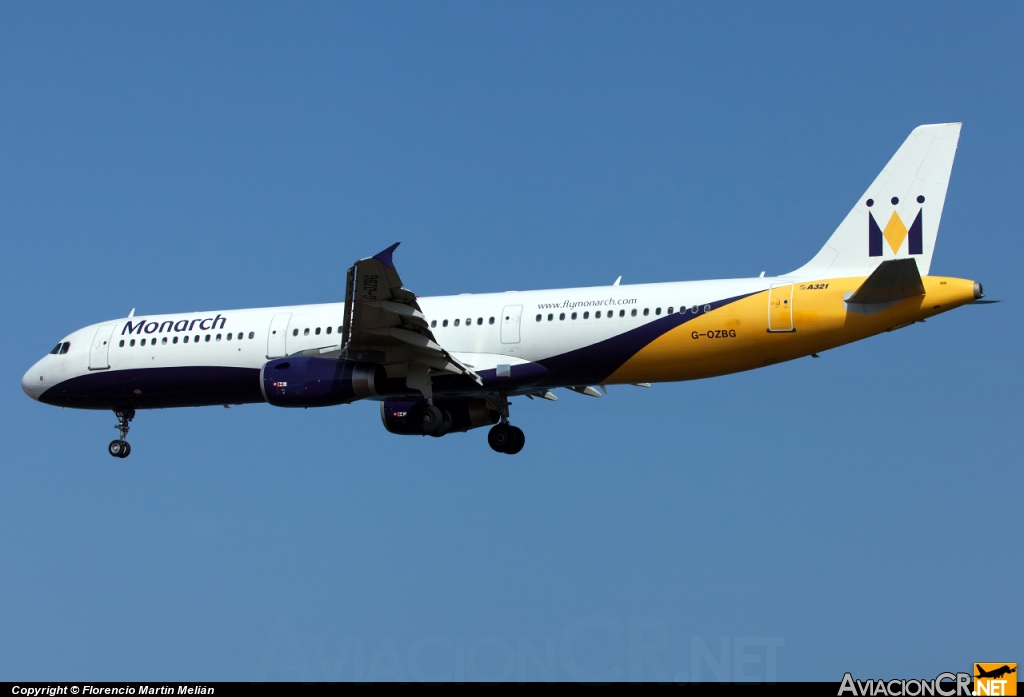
[277, 336]
[510, 320]
[780, 308]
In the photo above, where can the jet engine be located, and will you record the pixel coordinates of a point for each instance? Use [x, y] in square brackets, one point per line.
[311, 381]
[445, 416]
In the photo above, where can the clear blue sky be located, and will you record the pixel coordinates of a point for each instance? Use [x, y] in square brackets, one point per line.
[849, 513]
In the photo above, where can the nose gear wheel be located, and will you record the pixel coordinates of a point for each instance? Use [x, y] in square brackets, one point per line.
[120, 447]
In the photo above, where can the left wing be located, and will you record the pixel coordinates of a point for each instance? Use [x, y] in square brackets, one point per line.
[385, 325]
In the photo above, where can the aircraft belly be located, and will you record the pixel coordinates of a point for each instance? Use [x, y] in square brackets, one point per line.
[156, 388]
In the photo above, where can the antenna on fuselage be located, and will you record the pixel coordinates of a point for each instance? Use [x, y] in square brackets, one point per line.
[132, 313]
[617, 281]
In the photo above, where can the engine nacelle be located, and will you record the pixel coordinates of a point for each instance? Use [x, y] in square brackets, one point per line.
[311, 381]
[407, 418]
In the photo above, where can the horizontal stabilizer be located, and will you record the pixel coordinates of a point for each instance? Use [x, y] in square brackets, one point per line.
[893, 280]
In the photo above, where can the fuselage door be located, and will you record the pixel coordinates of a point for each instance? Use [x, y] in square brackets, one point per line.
[99, 353]
[278, 335]
[780, 308]
[510, 317]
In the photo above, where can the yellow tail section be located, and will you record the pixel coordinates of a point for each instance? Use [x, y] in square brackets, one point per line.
[785, 322]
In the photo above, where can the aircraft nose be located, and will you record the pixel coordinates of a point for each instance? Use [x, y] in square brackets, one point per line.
[30, 382]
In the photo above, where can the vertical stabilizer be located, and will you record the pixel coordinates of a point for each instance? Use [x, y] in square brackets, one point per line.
[898, 216]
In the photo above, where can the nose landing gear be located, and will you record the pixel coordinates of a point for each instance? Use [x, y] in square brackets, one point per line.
[504, 437]
[120, 447]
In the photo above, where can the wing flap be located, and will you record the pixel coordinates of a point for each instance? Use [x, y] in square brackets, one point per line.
[382, 315]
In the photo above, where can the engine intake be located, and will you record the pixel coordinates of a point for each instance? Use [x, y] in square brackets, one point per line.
[414, 418]
[311, 381]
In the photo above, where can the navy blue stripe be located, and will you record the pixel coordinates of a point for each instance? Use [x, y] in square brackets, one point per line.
[593, 364]
[189, 386]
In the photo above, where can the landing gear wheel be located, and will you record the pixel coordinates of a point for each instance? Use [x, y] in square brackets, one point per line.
[432, 420]
[500, 438]
[120, 447]
[446, 424]
[517, 442]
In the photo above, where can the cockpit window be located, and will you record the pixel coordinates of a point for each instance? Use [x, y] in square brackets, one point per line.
[64, 347]
[56, 349]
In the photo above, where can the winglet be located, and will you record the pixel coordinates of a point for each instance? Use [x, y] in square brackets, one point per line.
[385, 256]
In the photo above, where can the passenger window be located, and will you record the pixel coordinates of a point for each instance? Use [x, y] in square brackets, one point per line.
[132, 342]
[196, 339]
[229, 336]
[490, 321]
[121, 344]
[597, 315]
[657, 310]
[174, 340]
[586, 315]
[622, 313]
[634, 313]
[538, 318]
[433, 323]
[647, 311]
[295, 332]
[218, 337]
[479, 321]
[185, 340]
[469, 321]
[456, 323]
[329, 329]
[444, 323]
[253, 334]
[305, 332]
[164, 341]
[707, 308]
[561, 315]
[669, 310]
[693, 309]
[574, 315]
[318, 331]
[339, 331]
[550, 317]
[207, 337]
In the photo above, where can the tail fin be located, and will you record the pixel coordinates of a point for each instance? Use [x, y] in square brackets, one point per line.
[898, 216]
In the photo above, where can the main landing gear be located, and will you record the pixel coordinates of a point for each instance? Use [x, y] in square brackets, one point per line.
[120, 447]
[436, 422]
[504, 437]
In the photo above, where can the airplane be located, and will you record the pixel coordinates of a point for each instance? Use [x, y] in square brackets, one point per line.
[996, 673]
[441, 365]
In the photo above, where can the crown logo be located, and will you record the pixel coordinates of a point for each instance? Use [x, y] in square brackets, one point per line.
[895, 232]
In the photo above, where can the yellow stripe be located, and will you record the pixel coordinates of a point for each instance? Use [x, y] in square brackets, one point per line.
[736, 337]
